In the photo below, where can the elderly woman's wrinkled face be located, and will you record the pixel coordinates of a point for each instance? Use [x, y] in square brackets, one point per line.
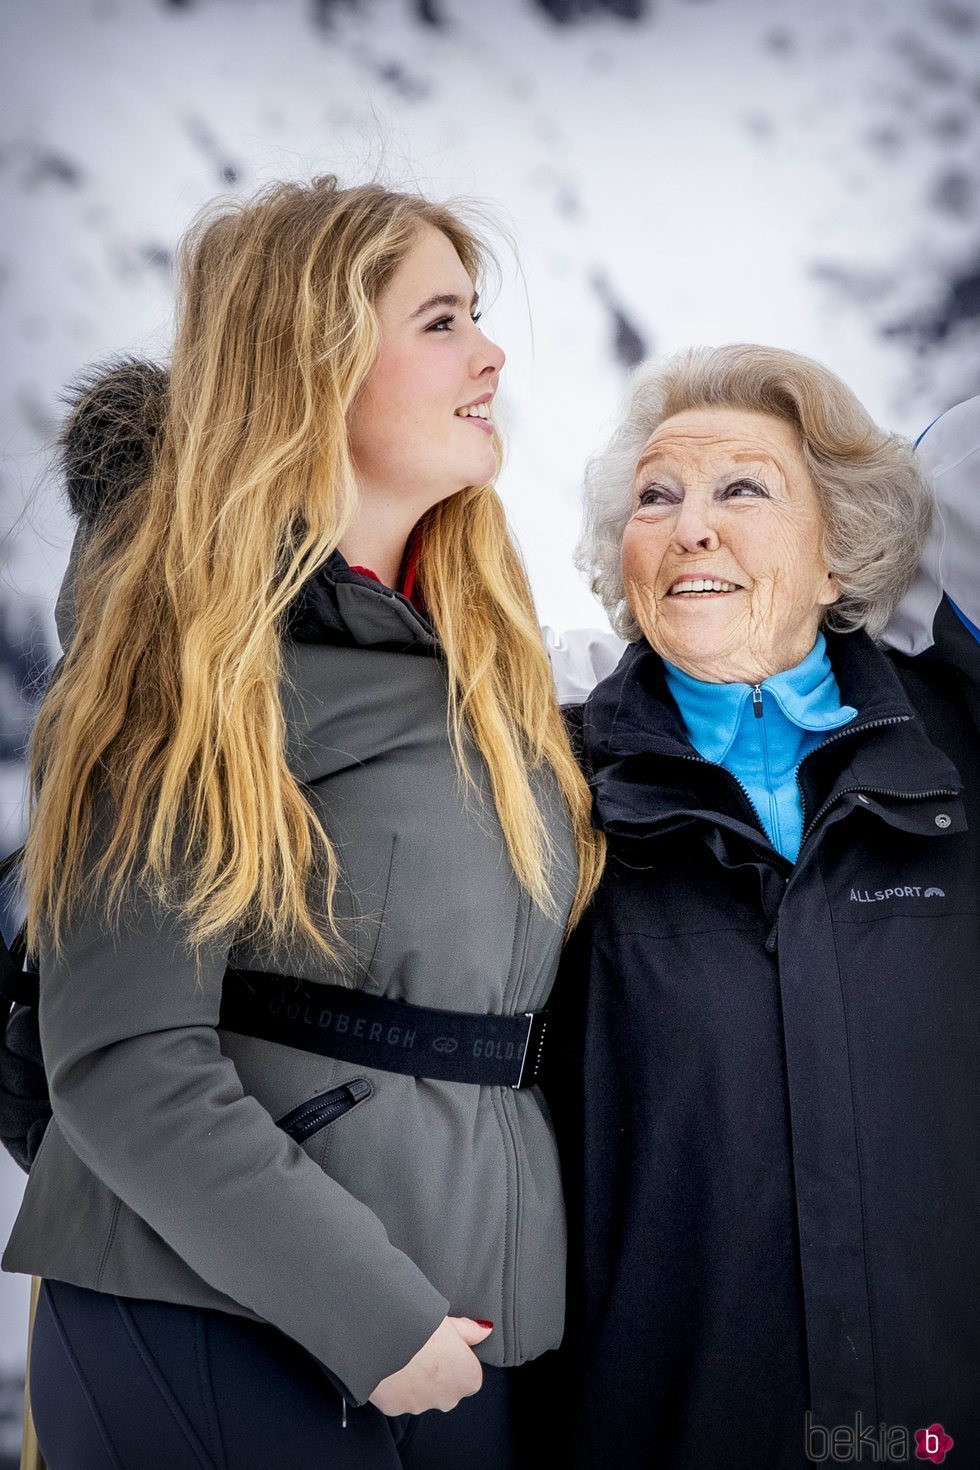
[722, 555]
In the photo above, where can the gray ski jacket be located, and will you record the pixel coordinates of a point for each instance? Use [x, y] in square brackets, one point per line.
[163, 1173]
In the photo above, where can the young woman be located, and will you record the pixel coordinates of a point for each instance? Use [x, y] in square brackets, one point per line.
[306, 837]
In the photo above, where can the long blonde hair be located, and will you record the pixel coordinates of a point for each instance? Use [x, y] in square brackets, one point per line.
[165, 712]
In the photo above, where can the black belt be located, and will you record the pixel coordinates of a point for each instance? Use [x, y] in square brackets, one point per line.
[372, 1031]
[350, 1025]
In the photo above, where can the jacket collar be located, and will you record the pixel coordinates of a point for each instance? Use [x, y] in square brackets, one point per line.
[645, 773]
[336, 605]
[339, 605]
[956, 647]
[805, 696]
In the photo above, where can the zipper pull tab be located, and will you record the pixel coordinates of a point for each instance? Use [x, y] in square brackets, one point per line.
[343, 1420]
[757, 701]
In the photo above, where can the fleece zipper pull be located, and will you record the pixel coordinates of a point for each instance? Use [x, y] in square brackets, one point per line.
[757, 701]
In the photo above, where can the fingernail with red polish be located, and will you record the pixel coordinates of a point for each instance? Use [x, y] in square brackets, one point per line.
[482, 1324]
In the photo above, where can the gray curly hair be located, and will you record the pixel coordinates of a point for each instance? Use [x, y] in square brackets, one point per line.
[876, 501]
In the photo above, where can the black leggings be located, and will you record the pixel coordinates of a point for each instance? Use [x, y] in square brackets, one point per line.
[121, 1384]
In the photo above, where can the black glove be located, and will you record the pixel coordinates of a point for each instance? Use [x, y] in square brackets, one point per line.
[24, 1103]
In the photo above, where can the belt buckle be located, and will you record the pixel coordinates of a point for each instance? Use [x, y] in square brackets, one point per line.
[537, 1024]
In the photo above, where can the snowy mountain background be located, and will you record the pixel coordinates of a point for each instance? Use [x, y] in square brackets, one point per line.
[672, 172]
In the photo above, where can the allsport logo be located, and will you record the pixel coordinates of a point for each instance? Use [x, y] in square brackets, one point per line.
[882, 895]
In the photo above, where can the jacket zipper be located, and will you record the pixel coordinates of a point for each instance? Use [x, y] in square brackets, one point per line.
[508, 1129]
[758, 711]
[311, 1116]
[843, 735]
[886, 791]
[508, 1132]
[767, 851]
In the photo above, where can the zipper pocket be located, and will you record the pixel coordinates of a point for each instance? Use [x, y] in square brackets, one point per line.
[315, 1114]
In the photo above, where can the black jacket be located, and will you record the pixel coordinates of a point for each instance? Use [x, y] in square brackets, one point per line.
[771, 1146]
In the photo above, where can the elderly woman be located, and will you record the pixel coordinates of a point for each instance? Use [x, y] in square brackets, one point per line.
[772, 1158]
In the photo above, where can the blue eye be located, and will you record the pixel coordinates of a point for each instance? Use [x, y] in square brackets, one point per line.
[655, 495]
[445, 322]
[754, 488]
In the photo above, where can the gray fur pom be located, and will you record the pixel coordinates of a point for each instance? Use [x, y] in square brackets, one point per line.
[111, 434]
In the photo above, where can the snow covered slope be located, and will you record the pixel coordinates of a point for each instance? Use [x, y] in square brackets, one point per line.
[673, 172]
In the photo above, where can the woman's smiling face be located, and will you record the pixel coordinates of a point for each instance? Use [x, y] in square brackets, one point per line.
[414, 436]
[722, 556]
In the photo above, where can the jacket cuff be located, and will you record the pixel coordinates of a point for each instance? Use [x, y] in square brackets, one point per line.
[394, 1342]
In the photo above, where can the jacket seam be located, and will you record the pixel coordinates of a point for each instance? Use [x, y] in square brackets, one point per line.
[858, 1153]
[508, 1298]
[383, 918]
[932, 913]
[518, 953]
[513, 972]
[110, 1237]
[753, 928]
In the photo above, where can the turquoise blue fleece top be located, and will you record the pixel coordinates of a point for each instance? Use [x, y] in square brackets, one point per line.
[761, 733]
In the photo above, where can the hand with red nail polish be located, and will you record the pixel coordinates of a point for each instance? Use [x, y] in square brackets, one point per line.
[444, 1370]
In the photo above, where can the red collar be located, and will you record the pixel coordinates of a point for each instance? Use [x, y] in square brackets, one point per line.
[408, 574]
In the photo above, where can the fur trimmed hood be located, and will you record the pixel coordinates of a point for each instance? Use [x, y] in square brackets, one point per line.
[107, 445]
[115, 417]
[107, 448]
